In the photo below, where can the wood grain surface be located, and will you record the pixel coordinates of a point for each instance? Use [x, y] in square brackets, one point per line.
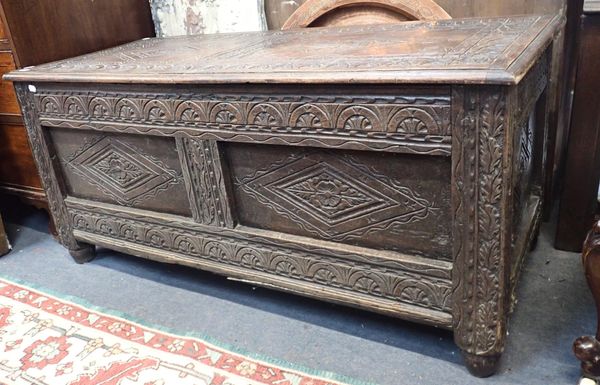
[497, 50]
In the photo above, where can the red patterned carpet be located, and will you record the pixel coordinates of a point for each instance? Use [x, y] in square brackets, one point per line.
[47, 340]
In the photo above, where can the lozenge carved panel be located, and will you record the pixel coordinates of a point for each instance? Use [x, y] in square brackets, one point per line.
[127, 170]
[373, 200]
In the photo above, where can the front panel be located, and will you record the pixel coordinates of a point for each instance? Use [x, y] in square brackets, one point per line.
[344, 194]
[383, 201]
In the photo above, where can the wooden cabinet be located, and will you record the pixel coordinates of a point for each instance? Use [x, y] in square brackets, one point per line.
[405, 178]
[38, 31]
[579, 196]
[8, 99]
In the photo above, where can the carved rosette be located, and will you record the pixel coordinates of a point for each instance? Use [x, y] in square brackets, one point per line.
[479, 192]
[336, 198]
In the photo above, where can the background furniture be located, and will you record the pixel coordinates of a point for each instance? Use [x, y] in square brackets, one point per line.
[587, 349]
[4, 244]
[327, 13]
[279, 11]
[406, 179]
[39, 31]
[579, 196]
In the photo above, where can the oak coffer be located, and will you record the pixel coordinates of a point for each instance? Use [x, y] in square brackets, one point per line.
[395, 168]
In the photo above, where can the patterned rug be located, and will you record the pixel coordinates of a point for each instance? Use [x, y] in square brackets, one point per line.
[45, 340]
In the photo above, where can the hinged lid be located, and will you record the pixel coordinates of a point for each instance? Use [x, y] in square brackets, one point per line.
[493, 51]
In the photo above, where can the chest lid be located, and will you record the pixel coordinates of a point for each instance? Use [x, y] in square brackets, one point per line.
[491, 50]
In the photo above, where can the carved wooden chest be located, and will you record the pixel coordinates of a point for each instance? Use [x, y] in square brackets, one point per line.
[394, 168]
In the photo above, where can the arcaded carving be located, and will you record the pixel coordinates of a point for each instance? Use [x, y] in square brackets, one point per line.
[408, 287]
[336, 186]
[414, 120]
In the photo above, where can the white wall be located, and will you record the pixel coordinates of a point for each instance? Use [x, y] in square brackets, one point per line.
[192, 17]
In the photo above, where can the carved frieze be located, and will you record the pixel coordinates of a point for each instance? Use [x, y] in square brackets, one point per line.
[403, 286]
[423, 121]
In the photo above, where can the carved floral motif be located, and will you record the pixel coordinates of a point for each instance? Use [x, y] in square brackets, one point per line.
[121, 171]
[478, 190]
[334, 196]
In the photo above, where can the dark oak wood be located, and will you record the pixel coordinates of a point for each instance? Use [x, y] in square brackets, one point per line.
[8, 99]
[578, 200]
[38, 31]
[475, 51]
[41, 31]
[358, 165]
[587, 348]
[318, 13]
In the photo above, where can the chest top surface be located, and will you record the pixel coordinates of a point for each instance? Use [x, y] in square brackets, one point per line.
[494, 51]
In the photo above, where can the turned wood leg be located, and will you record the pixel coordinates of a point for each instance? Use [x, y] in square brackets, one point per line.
[84, 253]
[587, 349]
[481, 366]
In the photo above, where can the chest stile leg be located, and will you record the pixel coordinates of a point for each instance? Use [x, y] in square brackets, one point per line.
[479, 192]
[53, 185]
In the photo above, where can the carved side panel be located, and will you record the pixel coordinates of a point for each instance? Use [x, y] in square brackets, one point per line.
[382, 201]
[530, 129]
[479, 195]
[204, 173]
[46, 168]
[523, 164]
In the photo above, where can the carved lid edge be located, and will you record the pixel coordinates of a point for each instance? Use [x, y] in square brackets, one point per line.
[462, 76]
[522, 64]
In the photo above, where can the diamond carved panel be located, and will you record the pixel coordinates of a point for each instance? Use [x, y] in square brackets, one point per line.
[334, 197]
[327, 194]
[122, 171]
